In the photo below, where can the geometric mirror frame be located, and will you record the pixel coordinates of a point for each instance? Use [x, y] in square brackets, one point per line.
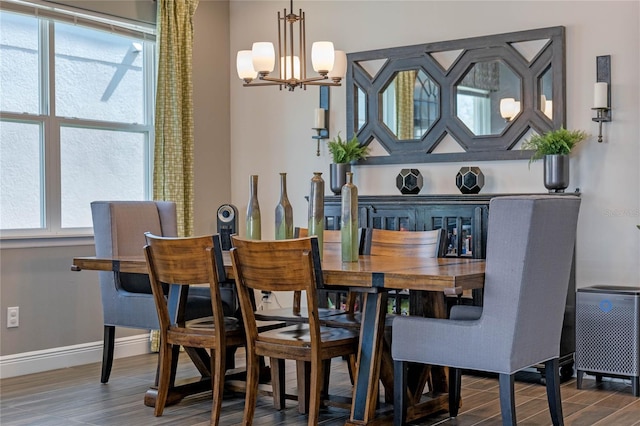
[483, 93]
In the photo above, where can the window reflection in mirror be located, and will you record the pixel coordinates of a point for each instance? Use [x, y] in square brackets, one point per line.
[361, 115]
[480, 93]
[546, 93]
[410, 104]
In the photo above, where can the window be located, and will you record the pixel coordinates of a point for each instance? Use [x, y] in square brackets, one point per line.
[76, 119]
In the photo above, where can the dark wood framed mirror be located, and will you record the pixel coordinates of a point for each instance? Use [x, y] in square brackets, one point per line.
[463, 100]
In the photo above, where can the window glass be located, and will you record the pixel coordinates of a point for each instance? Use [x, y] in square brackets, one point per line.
[75, 132]
[99, 165]
[99, 76]
[19, 51]
[20, 178]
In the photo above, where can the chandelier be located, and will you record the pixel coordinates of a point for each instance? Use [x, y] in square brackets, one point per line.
[255, 66]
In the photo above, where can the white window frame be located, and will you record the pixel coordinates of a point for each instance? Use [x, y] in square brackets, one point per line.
[52, 233]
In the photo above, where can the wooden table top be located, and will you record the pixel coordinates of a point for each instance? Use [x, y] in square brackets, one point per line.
[416, 273]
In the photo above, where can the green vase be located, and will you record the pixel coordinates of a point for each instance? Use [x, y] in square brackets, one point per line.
[316, 209]
[349, 221]
[284, 212]
[254, 231]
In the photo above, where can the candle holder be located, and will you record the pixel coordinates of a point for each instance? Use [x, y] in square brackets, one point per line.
[322, 132]
[602, 92]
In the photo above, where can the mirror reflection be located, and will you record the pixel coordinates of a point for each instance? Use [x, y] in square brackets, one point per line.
[361, 109]
[488, 97]
[546, 93]
[410, 104]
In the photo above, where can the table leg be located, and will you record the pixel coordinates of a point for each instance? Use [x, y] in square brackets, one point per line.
[365, 392]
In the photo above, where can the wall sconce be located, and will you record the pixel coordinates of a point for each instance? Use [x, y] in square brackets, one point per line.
[321, 118]
[602, 92]
[509, 108]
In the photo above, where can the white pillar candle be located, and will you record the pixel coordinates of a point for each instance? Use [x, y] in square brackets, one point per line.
[319, 118]
[600, 95]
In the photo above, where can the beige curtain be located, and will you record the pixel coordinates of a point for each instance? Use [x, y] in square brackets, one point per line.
[173, 157]
[405, 85]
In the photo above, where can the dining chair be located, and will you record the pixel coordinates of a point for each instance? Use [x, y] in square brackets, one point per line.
[297, 313]
[530, 246]
[285, 265]
[183, 264]
[332, 244]
[119, 228]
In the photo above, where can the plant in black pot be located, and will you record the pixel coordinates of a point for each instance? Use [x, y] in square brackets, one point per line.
[344, 153]
[554, 147]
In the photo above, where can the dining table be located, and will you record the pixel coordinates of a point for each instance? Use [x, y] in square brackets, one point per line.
[374, 277]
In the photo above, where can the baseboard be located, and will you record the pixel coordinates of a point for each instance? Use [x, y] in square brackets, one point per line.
[69, 356]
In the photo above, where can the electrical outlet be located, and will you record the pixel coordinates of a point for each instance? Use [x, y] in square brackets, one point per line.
[13, 317]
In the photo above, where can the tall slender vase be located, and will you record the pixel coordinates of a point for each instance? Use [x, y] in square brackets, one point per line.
[349, 221]
[316, 209]
[284, 212]
[254, 231]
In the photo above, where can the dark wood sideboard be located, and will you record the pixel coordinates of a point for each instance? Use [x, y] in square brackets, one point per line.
[465, 218]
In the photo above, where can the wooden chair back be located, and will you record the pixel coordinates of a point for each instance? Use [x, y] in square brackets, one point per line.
[382, 242]
[181, 262]
[332, 241]
[284, 265]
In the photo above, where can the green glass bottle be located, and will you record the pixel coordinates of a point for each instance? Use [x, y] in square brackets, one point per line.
[316, 208]
[254, 231]
[349, 221]
[284, 212]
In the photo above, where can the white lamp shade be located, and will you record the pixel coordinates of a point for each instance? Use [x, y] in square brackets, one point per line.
[322, 56]
[339, 65]
[285, 64]
[508, 108]
[264, 56]
[244, 65]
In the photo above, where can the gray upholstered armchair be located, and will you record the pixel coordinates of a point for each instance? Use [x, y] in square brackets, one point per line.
[530, 245]
[119, 228]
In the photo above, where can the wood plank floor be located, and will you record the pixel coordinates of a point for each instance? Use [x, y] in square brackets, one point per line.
[75, 396]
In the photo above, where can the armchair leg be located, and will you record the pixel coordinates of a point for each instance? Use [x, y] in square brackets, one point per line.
[455, 383]
[552, 377]
[399, 393]
[507, 399]
[107, 352]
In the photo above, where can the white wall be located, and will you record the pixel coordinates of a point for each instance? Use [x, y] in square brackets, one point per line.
[271, 130]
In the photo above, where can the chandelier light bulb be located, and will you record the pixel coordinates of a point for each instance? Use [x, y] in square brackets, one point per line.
[285, 64]
[264, 57]
[339, 66]
[244, 65]
[322, 56]
[508, 108]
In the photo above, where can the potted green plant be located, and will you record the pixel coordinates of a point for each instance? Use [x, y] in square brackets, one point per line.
[554, 147]
[344, 153]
